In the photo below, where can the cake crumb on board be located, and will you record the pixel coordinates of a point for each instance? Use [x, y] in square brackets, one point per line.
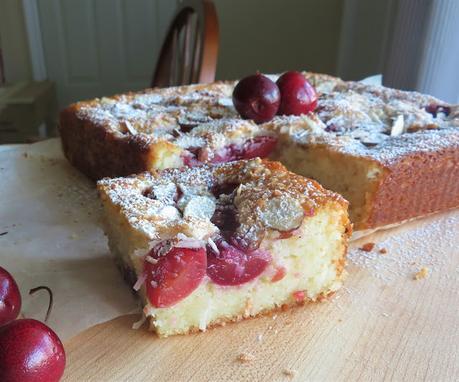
[367, 247]
[245, 357]
[422, 274]
[383, 251]
[289, 373]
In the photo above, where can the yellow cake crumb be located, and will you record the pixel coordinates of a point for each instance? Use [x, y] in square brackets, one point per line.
[422, 274]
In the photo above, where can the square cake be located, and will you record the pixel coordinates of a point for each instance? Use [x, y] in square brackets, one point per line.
[219, 243]
[393, 154]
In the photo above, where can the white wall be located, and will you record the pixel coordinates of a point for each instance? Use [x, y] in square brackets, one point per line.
[423, 53]
[14, 41]
[274, 36]
[363, 38]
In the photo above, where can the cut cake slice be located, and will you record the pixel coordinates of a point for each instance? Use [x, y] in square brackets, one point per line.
[218, 243]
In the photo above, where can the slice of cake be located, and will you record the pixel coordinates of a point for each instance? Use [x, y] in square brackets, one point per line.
[218, 243]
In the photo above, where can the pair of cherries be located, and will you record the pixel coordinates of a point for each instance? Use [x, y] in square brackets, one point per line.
[259, 98]
[29, 350]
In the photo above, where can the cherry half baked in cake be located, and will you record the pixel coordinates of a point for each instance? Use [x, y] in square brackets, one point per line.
[219, 243]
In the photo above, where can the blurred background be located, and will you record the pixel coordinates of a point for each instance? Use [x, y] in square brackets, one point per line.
[54, 52]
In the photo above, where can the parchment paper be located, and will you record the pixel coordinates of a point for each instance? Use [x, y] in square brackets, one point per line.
[51, 215]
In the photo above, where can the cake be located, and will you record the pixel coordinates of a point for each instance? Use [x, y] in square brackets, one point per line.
[393, 154]
[219, 243]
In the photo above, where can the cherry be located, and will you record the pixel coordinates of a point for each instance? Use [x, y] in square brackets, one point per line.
[260, 146]
[10, 298]
[30, 351]
[225, 218]
[224, 188]
[256, 97]
[434, 109]
[175, 275]
[298, 96]
[231, 266]
[190, 157]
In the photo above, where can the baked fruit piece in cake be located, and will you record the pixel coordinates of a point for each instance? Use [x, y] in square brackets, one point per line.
[158, 129]
[218, 243]
[394, 155]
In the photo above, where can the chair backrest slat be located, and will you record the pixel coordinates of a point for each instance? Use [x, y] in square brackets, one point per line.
[190, 49]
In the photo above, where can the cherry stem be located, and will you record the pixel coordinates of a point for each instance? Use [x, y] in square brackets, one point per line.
[50, 305]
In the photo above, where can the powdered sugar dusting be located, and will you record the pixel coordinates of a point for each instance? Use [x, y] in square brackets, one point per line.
[409, 250]
[182, 201]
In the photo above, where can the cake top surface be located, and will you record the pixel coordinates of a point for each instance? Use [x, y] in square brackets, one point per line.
[351, 117]
[242, 197]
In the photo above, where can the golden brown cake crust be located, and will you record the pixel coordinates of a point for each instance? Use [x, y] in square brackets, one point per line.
[418, 184]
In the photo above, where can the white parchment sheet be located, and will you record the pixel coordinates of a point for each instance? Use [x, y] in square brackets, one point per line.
[51, 216]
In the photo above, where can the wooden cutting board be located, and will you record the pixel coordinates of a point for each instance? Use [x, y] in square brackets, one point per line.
[383, 325]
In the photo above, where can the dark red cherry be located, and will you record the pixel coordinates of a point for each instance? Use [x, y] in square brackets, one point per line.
[231, 266]
[30, 352]
[256, 97]
[10, 298]
[434, 109]
[298, 96]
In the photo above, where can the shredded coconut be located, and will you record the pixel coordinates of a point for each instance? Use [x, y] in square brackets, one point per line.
[140, 281]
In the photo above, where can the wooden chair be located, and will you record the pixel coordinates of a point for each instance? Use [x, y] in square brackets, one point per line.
[189, 52]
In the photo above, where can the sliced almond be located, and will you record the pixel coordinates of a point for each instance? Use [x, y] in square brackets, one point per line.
[201, 207]
[398, 127]
[130, 128]
[282, 213]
